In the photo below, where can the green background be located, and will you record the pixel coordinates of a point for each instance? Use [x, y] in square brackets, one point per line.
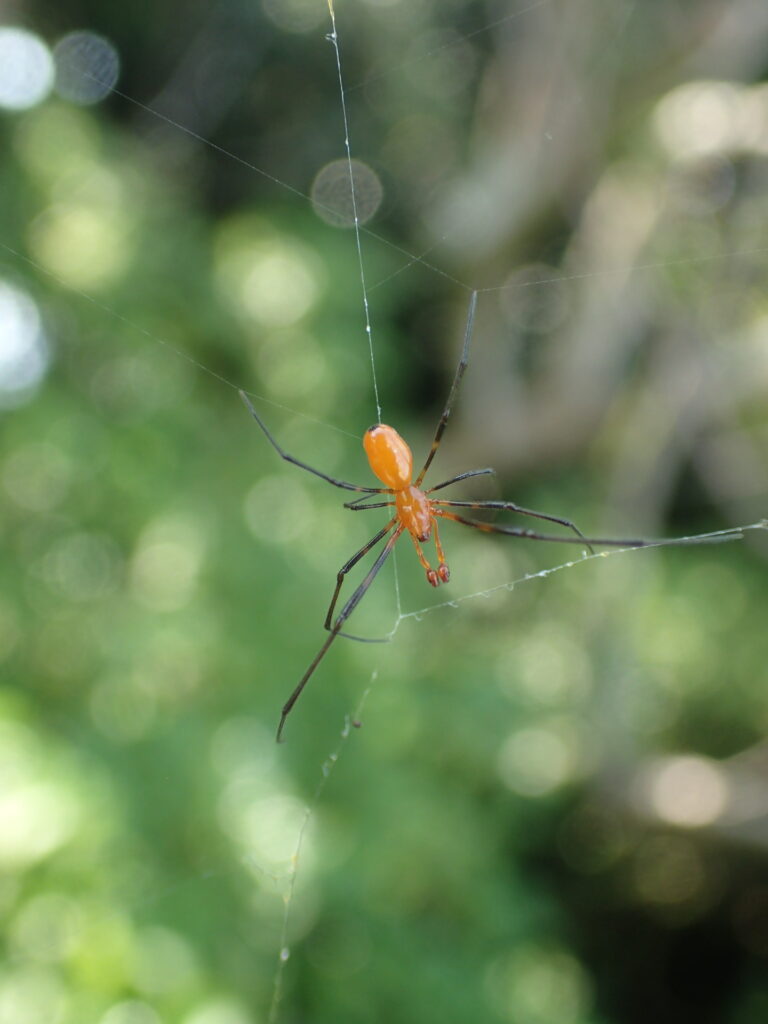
[554, 811]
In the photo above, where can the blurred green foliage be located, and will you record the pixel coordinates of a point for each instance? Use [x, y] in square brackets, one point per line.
[554, 811]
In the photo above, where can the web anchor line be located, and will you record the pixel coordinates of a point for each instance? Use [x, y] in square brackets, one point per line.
[334, 39]
[716, 537]
[284, 951]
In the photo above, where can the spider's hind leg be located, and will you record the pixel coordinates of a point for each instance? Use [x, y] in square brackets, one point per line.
[348, 565]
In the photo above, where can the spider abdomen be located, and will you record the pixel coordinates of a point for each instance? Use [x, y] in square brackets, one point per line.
[389, 456]
[414, 512]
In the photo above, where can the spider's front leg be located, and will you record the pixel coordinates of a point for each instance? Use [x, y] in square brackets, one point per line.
[434, 576]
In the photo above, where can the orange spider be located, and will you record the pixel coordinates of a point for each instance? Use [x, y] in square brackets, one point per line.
[416, 513]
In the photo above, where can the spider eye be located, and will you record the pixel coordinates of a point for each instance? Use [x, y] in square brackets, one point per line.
[373, 428]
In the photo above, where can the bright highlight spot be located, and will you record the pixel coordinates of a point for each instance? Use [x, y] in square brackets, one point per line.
[292, 365]
[698, 117]
[24, 353]
[536, 761]
[59, 145]
[539, 985]
[26, 69]
[30, 994]
[549, 665]
[84, 245]
[266, 826]
[331, 193]
[166, 564]
[244, 747]
[271, 278]
[688, 791]
[35, 819]
[710, 117]
[87, 66]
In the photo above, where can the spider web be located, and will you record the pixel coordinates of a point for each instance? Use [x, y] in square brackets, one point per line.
[410, 260]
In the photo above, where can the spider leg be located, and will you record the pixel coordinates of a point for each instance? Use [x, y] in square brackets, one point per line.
[488, 527]
[461, 476]
[432, 577]
[509, 506]
[442, 569]
[353, 507]
[340, 580]
[344, 614]
[354, 501]
[454, 387]
[303, 465]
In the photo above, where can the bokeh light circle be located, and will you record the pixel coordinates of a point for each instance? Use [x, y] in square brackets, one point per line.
[332, 195]
[26, 69]
[87, 67]
[24, 354]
